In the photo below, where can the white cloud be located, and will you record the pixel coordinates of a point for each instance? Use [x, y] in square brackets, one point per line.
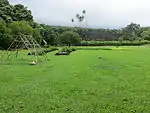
[101, 13]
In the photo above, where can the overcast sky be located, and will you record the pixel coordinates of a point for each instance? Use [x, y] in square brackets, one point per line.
[100, 13]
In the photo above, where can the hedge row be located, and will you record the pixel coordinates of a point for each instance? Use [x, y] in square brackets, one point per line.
[114, 43]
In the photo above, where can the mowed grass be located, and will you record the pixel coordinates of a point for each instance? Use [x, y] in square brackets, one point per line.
[115, 80]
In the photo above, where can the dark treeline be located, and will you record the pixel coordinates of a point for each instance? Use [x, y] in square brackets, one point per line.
[17, 19]
[131, 32]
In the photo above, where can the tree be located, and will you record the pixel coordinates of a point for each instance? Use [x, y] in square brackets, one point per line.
[21, 13]
[21, 27]
[69, 38]
[37, 36]
[3, 3]
[146, 35]
[120, 39]
[80, 28]
[6, 11]
[49, 34]
[16, 20]
[18, 12]
[131, 32]
[5, 36]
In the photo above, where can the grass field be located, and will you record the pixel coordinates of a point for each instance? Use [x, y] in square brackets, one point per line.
[115, 80]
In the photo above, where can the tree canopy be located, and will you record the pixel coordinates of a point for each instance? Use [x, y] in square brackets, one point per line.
[17, 19]
[69, 38]
[18, 12]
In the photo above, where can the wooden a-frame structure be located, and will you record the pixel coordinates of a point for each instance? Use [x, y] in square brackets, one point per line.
[23, 42]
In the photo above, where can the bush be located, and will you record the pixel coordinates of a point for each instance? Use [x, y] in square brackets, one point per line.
[66, 51]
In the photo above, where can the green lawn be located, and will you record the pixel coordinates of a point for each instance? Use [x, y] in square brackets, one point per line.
[87, 81]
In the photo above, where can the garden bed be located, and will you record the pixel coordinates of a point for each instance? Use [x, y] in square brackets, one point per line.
[65, 51]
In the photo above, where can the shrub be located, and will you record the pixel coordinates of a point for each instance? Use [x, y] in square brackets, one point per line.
[66, 51]
[114, 43]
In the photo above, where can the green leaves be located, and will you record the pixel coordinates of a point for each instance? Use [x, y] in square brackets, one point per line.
[9, 31]
[5, 35]
[146, 34]
[131, 32]
[14, 20]
[21, 27]
[3, 3]
[17, 12]
[69, 38]
[21, 13]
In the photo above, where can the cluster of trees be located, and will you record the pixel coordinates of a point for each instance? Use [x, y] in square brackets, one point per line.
[17, 19]
[131, 32]
[9, 31]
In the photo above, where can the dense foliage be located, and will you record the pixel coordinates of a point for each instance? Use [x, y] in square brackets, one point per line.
[17, 19]
[9, 31]
[69, 38]
[65, 50]
[5, 36]
[10, 13]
